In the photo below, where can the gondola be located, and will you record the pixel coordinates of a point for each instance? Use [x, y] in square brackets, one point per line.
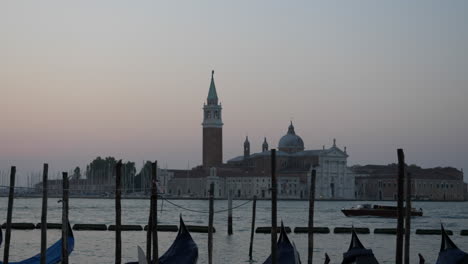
[449, 252]
[53, 253]
[421, 259]
[286, 251]
[182, 251]
[141, 256]
[357, 253]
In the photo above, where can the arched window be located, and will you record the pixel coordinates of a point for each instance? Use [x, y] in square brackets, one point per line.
[216, 115]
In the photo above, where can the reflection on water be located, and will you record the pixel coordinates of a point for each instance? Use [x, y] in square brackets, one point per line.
[98, 246]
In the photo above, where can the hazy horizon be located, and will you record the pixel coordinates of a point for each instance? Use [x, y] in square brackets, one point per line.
[128, 79]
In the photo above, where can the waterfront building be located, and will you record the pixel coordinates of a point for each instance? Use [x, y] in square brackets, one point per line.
[379, 182]
[249, 174]
[294, 164]
[142, 182]
[466, 191]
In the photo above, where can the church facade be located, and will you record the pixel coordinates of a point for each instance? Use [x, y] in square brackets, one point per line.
[250, 174]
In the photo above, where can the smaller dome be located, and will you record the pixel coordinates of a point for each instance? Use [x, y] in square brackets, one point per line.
[291, 142]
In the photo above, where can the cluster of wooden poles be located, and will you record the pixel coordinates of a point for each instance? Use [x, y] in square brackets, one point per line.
[403, 233]
[65, 225]
[403, 213]
[152, 253]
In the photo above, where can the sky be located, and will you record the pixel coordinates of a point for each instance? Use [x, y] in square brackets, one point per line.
[128, 79]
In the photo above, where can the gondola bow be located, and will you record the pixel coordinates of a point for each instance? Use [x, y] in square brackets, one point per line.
[182, 251]
[286, 252]
[449, 252]
[357, 253]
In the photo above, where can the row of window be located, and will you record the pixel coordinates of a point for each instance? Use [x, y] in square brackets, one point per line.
[327, 162]
[423, 185]
[257, 180]
[360, 194]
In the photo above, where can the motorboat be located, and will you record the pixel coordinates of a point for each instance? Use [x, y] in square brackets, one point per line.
[378, 210]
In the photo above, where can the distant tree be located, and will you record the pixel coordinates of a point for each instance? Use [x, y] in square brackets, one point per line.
[76, 173]
[128, 176]
[101, 171]
[101, 174]
[414, 166]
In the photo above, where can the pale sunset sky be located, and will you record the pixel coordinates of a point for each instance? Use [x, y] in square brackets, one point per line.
[128, 79]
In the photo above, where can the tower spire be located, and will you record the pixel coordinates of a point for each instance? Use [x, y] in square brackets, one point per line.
[264, 145]
[291, 129]
[212, 95]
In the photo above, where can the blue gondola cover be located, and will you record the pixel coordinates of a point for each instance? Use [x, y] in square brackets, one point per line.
[53, 253]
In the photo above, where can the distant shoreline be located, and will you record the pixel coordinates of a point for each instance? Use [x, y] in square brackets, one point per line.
[220, 199]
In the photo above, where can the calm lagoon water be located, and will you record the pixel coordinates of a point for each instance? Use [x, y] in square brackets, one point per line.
[98, 246]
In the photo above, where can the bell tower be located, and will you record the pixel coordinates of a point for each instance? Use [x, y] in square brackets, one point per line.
[212, 128]
[246, 148]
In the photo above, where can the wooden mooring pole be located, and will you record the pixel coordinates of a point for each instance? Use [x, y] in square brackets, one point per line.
[11, 195]
[65, 191]
[311, 217]
[408, 218]
[148, 236]
[210, 225]
[254, 208]
[154, 210]
[400, 212]
[118, 212]
[45, 172]
[273, 208]
[229, 212]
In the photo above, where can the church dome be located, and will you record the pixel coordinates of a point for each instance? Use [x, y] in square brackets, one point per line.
[291, 142]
